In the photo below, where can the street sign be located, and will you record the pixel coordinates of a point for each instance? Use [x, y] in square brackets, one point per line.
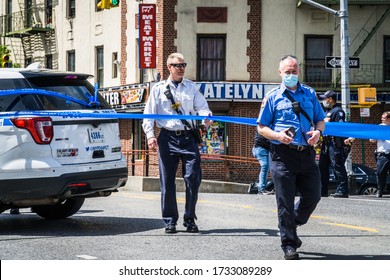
[332, 62]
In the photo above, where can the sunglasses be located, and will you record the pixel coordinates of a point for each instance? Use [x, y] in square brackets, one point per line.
[179, 65]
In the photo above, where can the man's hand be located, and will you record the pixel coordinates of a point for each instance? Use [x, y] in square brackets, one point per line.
[152, 144]
[283, 137]
[314, 137]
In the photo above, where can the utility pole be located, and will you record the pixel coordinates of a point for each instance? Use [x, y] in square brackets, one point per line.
[344, 52]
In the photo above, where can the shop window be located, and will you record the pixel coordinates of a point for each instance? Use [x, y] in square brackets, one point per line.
[213, 139]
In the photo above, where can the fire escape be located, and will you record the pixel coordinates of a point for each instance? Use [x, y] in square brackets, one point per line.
[368, 73]
[29, 33]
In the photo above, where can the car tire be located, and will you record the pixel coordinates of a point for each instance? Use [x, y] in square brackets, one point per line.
[369, 190]
[61, 210]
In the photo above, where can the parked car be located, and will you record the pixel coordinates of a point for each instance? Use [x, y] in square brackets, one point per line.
[363, 182]
[51, 163]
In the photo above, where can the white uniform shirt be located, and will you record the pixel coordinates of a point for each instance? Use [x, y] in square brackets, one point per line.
[192, 102]
[383, 146]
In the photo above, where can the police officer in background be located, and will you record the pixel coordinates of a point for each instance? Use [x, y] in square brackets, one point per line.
[292, 156]
[334, 151]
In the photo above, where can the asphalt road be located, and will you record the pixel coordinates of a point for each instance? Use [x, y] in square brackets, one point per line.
[127, 226]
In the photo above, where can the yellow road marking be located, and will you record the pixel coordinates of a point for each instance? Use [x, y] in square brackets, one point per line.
[351, 227]
[182, 200]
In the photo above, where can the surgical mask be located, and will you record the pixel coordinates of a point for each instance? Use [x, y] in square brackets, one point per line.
[326, 105]
[290, 80]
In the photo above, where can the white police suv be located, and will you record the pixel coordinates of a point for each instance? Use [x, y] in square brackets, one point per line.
[51, 159]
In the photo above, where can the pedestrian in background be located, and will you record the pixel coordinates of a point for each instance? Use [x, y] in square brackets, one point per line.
[260, 151]
[177, 140]
[292, 118]
[334, 151]
[382, 155]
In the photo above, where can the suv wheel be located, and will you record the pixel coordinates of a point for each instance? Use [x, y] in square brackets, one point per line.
[61, 210]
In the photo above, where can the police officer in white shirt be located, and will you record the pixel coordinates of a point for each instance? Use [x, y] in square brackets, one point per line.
[176, 140]
[382, 157]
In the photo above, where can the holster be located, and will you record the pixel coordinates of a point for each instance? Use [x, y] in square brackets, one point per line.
[197, 135]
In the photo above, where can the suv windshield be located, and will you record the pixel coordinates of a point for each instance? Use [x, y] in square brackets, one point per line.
[71, 86]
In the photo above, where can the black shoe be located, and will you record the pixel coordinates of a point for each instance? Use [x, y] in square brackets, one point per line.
[14, 211]
[340, 195]
[290, 253]
[170, 229]
[190, 225]
[379, 194]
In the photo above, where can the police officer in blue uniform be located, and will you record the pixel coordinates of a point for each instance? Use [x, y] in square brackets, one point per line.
[176, 141]
[292, 118]
[334, 151]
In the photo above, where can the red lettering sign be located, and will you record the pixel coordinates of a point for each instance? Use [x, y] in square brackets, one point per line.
[147, 35]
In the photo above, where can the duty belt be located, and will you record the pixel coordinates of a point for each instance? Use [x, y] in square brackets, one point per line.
[176, 132]
[297, 147]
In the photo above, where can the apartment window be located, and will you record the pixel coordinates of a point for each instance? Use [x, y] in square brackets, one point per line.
[316, 48]
[100, 66]
[71, 61]
[28, 61]
[211, 58]
[71, 9]
[49, 11]
[115, 65]
[29, 13]
[49, 61]
[386, 59]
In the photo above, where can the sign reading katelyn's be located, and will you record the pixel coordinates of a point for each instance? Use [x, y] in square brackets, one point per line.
[235, 91]
[147, 35]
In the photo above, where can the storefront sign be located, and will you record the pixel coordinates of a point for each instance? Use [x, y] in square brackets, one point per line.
[147, 36]
[235, 91]
[125, 97]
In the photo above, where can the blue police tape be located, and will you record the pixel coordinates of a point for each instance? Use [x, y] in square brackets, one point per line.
[26, 91]
[355, 130]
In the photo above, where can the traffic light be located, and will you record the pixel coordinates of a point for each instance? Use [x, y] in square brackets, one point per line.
[114, 3]
[107, 4]
[5, 61]
[104, 4]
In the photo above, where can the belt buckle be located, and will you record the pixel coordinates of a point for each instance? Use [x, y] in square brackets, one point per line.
[177, 132]
[300, 148]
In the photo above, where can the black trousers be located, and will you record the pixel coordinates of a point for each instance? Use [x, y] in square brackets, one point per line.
[335, 156]
[382, 169]
[294, 171]
[171, 149]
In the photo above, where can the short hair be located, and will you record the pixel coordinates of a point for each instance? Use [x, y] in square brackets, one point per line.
[288, 56]
[387, 113]
[172, 56]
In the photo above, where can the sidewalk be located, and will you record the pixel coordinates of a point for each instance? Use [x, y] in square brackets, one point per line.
[152, 184]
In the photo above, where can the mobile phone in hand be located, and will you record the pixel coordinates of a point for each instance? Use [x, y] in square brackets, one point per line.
[291, 132]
